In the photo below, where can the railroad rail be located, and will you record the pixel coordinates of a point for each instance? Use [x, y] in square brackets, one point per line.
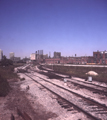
[88, 102]
[90, 83]
[72, 92]
[103, 87]
[93, 87]
[96, 88]
[97, 108]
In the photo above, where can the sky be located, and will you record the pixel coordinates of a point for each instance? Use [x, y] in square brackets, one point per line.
[67, 26]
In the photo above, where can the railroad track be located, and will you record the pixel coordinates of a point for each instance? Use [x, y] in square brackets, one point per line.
[95, 88]
[103, 87]
[89, 83]
[90, 86]
[89, 107]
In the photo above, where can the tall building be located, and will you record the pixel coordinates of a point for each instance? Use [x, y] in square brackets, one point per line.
[1, 54]
[11, 55]
[57, 54]
[39, 54]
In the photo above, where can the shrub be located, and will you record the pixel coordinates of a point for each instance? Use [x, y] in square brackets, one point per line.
[4, 87]
[6, 62]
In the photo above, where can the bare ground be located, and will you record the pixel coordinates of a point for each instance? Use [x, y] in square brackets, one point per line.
[18, 99]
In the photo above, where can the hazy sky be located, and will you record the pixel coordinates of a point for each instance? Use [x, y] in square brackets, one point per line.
[67, 26]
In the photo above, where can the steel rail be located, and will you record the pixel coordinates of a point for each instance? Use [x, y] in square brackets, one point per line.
[89, 87]
[88, 99]
[78, 80]
[75, 106]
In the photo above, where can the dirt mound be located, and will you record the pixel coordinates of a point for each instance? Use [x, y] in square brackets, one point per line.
[92, 73]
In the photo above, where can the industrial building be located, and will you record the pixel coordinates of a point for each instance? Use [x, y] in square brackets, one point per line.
[99, 57]
[67, 60]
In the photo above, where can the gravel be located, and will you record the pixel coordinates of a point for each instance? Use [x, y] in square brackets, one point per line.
[48, 101]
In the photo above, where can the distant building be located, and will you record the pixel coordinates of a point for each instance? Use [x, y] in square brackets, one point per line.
[90, 60]
[33, 56]
[1, 54]
[100, 57]
[26, 60]
[45, 56]
[57, 54]
[52, 60]
[13, 58]
[16, 59]
[11, 55]
[39, 54]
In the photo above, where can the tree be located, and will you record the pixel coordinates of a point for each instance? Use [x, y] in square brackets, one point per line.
[6, 62]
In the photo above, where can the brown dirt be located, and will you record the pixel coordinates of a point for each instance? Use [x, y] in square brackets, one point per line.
[19, 99]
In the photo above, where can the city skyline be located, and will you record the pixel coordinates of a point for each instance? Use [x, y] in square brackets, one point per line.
[67, 26]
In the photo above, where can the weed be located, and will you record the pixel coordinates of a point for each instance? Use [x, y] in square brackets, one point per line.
[6, 73]
[4, 86]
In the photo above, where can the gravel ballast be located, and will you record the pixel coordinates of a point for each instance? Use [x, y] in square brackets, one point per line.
[49, 102]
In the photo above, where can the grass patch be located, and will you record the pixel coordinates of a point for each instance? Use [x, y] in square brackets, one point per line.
[6, 72]
[4, 87]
